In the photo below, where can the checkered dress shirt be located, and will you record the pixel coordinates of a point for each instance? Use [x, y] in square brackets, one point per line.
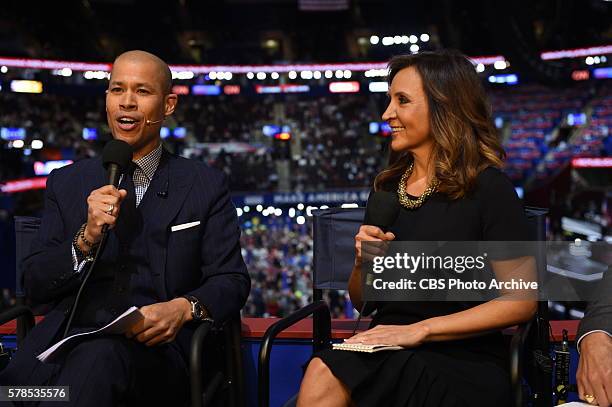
[143, 174]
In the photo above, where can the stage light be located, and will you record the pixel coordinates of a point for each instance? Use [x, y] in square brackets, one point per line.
[596, 60]
[213, 75]
[278, 212]
[344, 87]
[500, 65]
[378, 87]
[424, 37]
[306, 74]
[603, 58]
[347, 73]
[339, 74]
[329, 74]
[589, 60]
[62, 72]
[18, 144]
[386, 41]
[316, 75]
[414, 48]
[246, 208]
[37, 144]
[274, 75]
[292, 74]
[228, 75]
[374, 39]
[397, 39]
[480, 68]
[405, 39]
[271, 44]
[300, 207]
[250, 75]
[4, 69]
[239, 212]
[291, 212]
[300, 220]
[22, 86]
[413, 39]
[96, 75]
[261, 76]
[259, 208]
[183, 75]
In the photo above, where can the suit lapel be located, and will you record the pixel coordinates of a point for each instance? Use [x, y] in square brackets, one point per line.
[94, 178]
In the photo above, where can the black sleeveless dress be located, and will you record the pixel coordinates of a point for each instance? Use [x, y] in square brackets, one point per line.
[470, 372]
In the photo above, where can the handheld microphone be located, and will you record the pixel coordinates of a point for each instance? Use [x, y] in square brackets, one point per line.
[116, 158]
[382, 210]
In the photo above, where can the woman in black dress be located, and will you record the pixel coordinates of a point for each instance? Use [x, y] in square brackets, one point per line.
[444, 164]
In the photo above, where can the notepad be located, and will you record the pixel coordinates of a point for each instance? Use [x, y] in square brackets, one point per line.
[118, 326]
[361, 347]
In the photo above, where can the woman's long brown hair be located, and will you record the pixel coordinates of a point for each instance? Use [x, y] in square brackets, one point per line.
[465, 138]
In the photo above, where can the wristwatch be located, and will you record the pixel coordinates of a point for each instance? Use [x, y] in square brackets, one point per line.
[198, 311]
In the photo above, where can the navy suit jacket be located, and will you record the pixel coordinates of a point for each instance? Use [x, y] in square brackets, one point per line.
[204, 261]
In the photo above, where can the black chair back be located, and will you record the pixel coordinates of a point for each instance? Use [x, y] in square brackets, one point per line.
[26, 229]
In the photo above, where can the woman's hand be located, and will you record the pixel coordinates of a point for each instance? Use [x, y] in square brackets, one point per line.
[408, 336]
[369, 233]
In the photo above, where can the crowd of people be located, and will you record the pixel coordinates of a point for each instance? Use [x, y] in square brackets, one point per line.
[331, 147]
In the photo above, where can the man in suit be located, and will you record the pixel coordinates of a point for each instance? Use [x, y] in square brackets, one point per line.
[172, 250]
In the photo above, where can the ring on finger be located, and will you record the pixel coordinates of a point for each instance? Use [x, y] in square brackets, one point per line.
[589, 398]
[111, 207]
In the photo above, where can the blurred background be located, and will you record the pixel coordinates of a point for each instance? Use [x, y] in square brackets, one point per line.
[286, 97]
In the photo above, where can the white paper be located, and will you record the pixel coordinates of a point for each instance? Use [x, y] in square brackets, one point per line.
[118, 326]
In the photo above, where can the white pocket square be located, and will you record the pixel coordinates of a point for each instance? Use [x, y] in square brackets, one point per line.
[184, 226]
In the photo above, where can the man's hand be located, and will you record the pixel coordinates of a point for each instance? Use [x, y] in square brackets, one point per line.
[99, 202]
[594, 374]
[408, 336]
[161, 322]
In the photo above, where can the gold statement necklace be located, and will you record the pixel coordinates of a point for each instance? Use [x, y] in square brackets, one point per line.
[411, 203]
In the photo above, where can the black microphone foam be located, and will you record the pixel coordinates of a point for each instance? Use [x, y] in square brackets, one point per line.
[382, 209]
[116, 158]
